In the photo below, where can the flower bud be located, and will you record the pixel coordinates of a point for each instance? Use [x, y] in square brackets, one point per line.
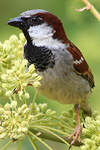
[7, 106]
[3, 135]
[13, 104]
[27, 96]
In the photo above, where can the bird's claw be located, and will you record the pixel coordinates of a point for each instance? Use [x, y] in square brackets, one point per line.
[76, 135]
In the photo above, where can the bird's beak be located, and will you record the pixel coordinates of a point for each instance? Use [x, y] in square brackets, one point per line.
[16, 22]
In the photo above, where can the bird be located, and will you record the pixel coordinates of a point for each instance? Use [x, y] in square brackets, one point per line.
[67, 77]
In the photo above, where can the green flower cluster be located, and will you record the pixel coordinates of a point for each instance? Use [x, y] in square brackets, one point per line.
[10, 55]
[32, 121]
[17, 78]
[91, 133]
[13, 74]
[15, 120]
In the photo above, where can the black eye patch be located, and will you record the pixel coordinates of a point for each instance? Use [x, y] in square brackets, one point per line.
[34, 20]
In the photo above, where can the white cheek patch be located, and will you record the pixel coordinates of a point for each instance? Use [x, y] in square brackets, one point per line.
[42, 35]
[40, 31]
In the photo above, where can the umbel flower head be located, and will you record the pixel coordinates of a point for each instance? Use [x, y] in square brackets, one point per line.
[15, 120]
[17, 77]
[10, 54]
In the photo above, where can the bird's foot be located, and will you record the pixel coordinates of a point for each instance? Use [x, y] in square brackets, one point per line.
[76, 135]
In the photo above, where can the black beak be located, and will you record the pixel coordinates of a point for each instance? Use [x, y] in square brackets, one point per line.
[16, 22]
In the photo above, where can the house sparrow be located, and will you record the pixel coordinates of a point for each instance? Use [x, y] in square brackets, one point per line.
[67, 77]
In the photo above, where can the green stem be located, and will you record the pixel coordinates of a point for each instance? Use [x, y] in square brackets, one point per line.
[34, 98]
[35, 95]
[50, 137]
[33, 145]
[19, 145]
[67, 122]
[52, 129]
[41, 141]
[55, 135]
[6, 145]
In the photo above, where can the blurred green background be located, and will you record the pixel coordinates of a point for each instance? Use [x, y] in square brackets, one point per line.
[82, 29]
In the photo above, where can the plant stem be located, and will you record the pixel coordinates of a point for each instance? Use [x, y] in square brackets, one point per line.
[40, 140]
[48, 136]
[19, 145]
[33, 145]
[92, 9]
[55, 135]
[6, 145]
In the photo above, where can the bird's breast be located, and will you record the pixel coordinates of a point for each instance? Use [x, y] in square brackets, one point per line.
[61, 83]
[41, 57]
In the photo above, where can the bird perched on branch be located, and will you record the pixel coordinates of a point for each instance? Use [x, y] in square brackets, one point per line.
[67, 77]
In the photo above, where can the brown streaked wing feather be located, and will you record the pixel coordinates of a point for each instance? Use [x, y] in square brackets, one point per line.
[82, 67]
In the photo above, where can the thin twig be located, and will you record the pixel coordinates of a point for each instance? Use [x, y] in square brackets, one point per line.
[90, 7]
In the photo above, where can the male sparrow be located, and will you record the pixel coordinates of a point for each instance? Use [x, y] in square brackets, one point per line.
[66, 75]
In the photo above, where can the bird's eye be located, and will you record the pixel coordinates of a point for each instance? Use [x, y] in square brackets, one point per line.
[33, 19]
[36, 20]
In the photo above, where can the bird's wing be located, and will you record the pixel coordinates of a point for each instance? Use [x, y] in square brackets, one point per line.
[80, 65]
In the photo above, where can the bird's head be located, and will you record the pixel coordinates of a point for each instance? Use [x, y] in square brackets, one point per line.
[39, 24]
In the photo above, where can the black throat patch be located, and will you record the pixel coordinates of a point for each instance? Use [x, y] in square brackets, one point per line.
[41, 57]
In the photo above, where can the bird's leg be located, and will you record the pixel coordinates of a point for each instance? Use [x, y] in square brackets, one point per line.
[77, 132]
